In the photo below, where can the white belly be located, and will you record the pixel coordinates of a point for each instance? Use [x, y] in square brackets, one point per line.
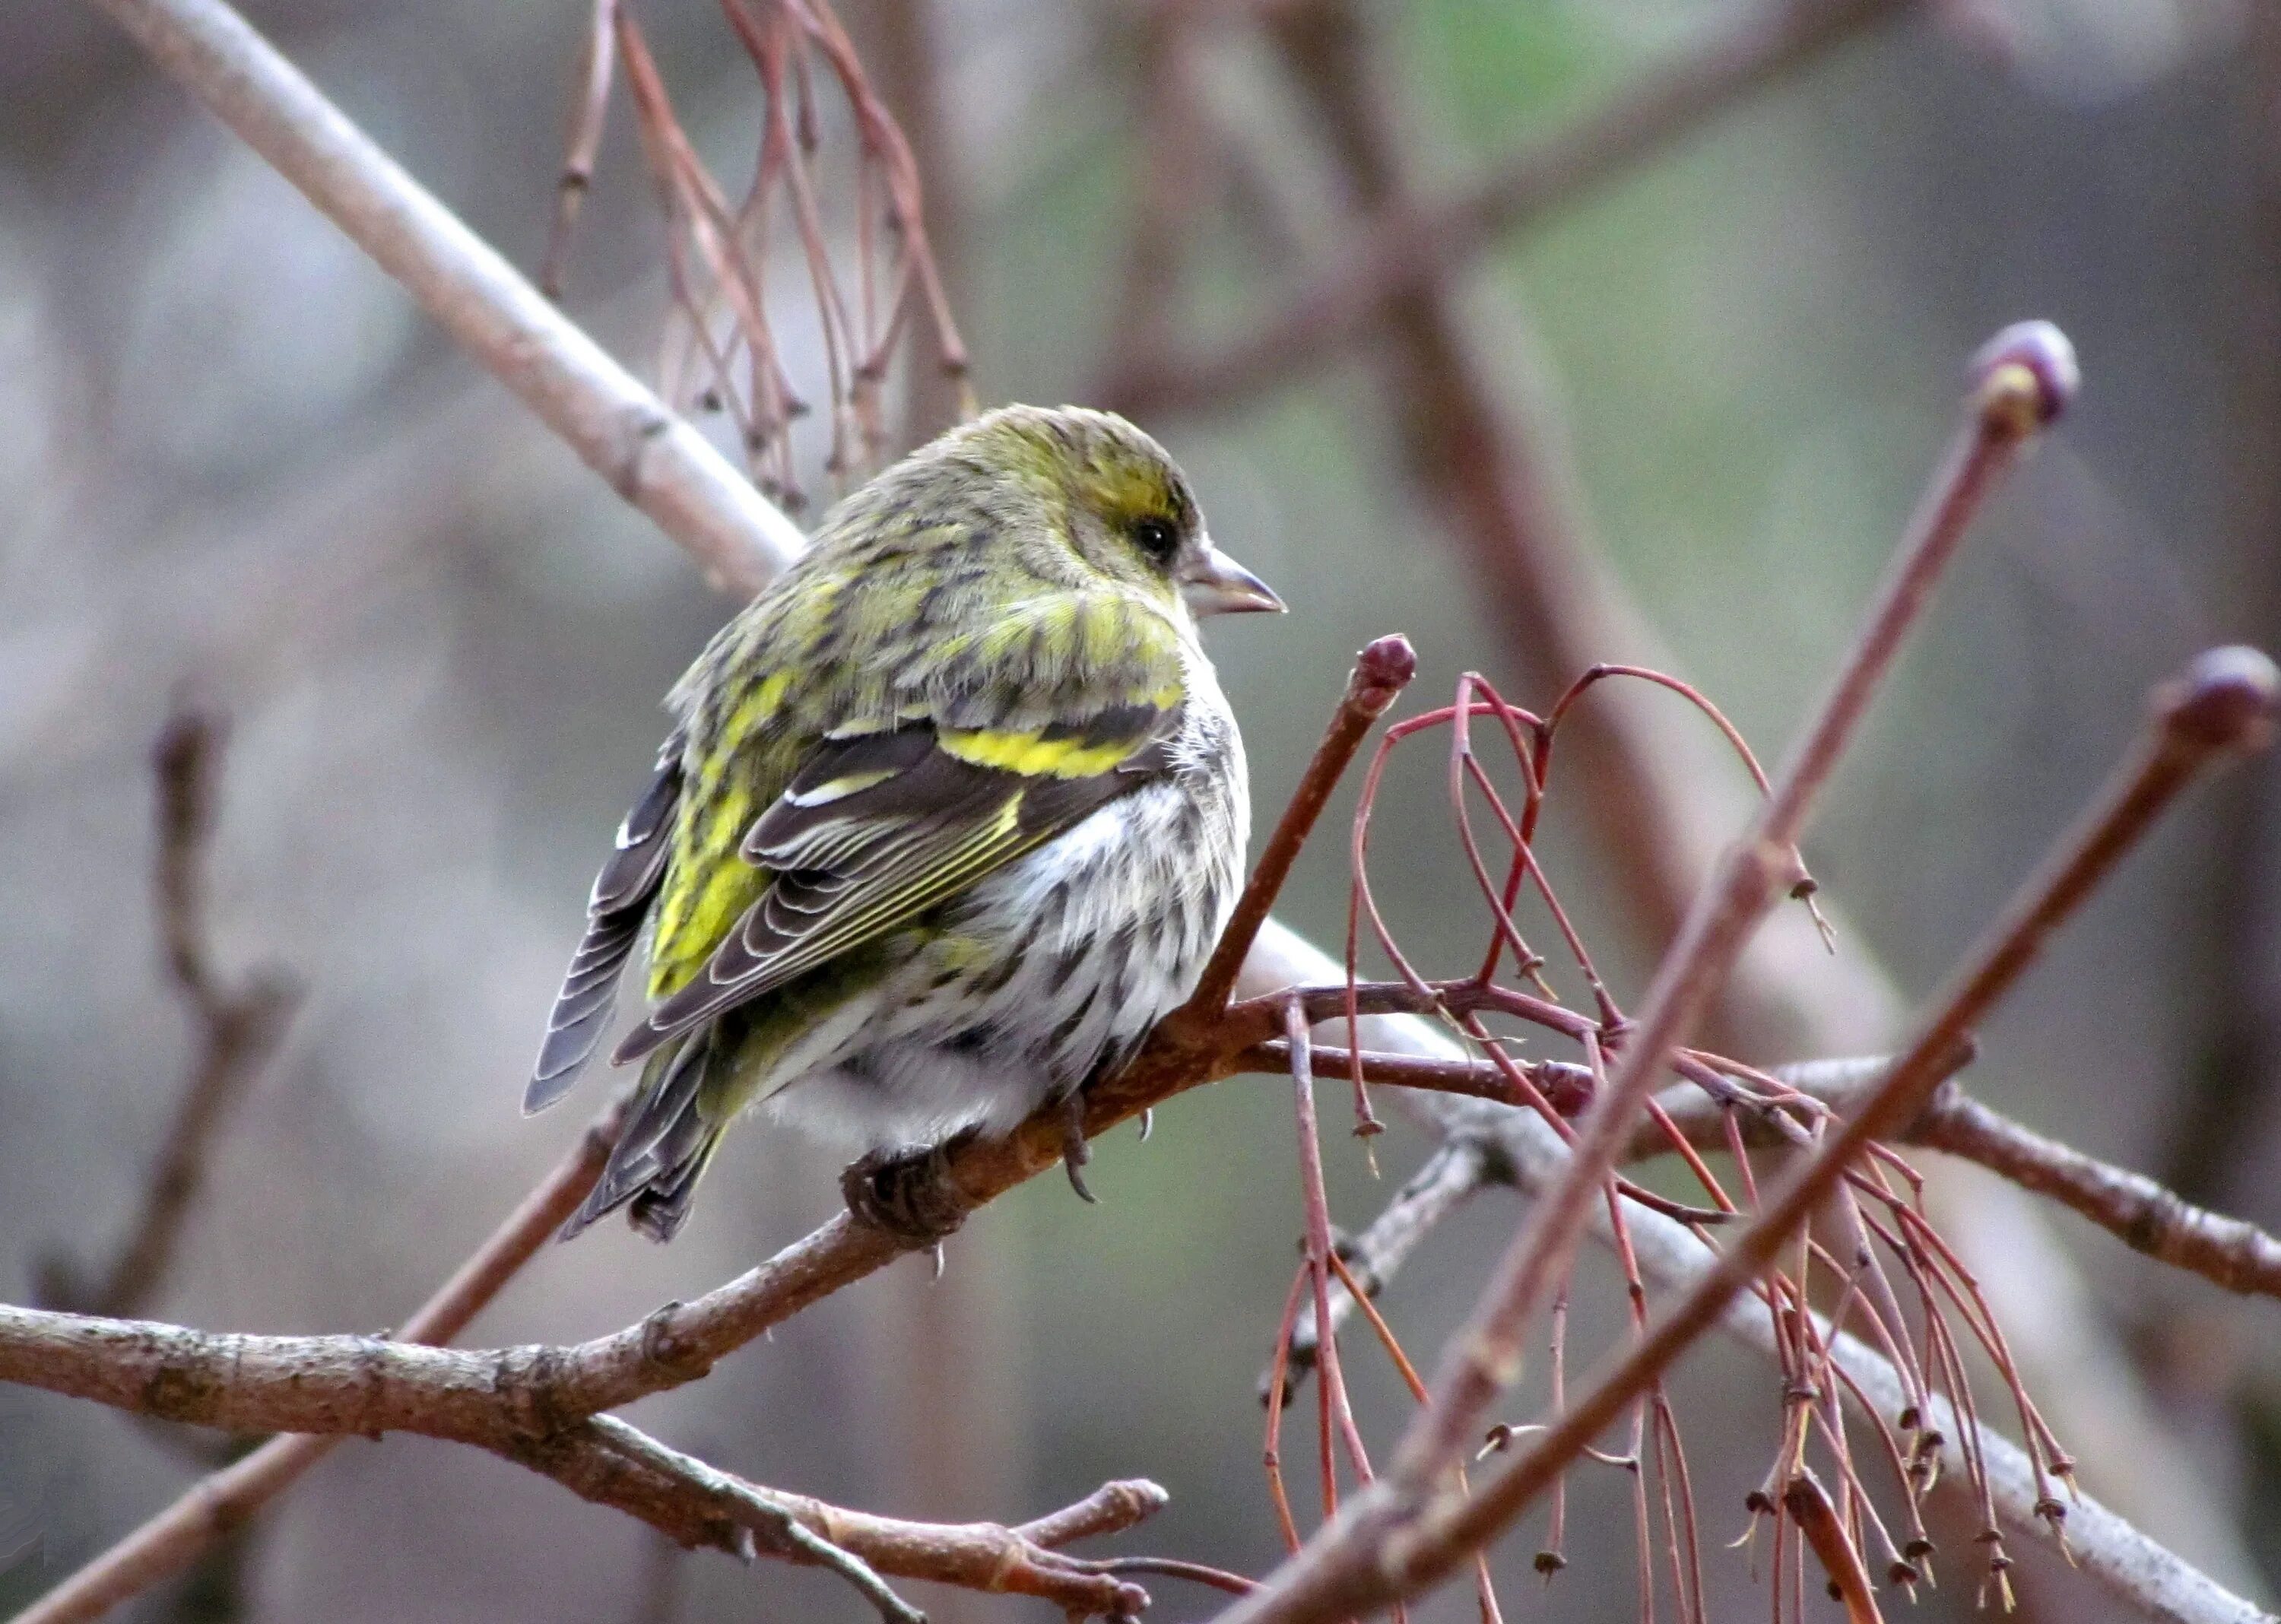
[1047, 970]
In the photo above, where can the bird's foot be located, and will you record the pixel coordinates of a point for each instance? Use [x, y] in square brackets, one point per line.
[1075, 1152]
[905, 1191]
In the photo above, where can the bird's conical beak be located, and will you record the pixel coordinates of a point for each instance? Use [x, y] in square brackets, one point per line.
[1214, 584]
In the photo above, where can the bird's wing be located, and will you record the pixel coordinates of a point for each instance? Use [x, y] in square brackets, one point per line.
[876, 829]
[614, 911]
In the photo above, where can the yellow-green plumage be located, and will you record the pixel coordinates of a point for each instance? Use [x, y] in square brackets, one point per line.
[952, 812]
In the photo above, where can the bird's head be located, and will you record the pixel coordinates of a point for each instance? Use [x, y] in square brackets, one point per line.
[1120, 504]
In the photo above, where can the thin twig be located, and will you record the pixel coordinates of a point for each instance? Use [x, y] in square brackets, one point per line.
[2137, 1210]
[758, 1512]
[2143, 1575]
[2025, 378]
[2224, 706]
[597, 58]
[1450, 1177]
[1111, 1508]
[1808, 1504]
[603, 1460]
[1381, 671]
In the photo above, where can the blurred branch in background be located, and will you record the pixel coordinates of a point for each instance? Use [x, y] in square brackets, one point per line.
[2223, 1143]
[1662, 804]
[1408, 247]
[237, 1027]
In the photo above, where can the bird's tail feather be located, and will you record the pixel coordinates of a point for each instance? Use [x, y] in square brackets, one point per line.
[667, 1141]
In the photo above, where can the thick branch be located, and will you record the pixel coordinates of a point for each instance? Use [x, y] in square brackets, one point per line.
[618, 428]
[173, 1539]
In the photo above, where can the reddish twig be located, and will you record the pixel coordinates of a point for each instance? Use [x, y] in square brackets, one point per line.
[2025, 378]
[622, 432]
[2224, 707]
[1381, 671]
[598, 58]
[1808, 1504]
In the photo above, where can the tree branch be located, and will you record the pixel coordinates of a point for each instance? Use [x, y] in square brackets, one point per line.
[223, 1502]
[2141, 1212]
[650, 456]
[2025, 379]
[1391, 1544]
[975, 1556]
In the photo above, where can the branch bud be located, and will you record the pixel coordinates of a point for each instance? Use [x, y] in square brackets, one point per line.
[1381, 671]
[2224, 700]
[2023, 378]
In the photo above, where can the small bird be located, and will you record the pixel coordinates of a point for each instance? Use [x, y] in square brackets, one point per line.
[951, 813]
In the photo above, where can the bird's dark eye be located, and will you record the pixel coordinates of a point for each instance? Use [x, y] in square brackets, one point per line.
[1157, 538]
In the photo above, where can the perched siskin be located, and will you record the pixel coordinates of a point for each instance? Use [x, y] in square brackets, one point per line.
[951, 813]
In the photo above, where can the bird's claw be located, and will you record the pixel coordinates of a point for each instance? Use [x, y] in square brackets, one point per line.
[1075, 1152]
[905, 1191]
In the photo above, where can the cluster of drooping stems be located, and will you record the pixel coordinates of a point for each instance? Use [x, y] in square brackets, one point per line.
[1410, 1521]
[721, 349]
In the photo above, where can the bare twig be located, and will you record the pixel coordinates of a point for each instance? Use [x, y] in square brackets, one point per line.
[2025, 379]
[1450, 1177]
[1808, 1504]
[609, 1463]
[1111, 1508]
[1381, 671]
[618, 428]
[758, 1512]
[597, 58]
[2145, 1576]
[237, 1025]
[2143, 1214]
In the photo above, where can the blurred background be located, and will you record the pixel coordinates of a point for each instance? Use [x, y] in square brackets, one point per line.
[1694, 401]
